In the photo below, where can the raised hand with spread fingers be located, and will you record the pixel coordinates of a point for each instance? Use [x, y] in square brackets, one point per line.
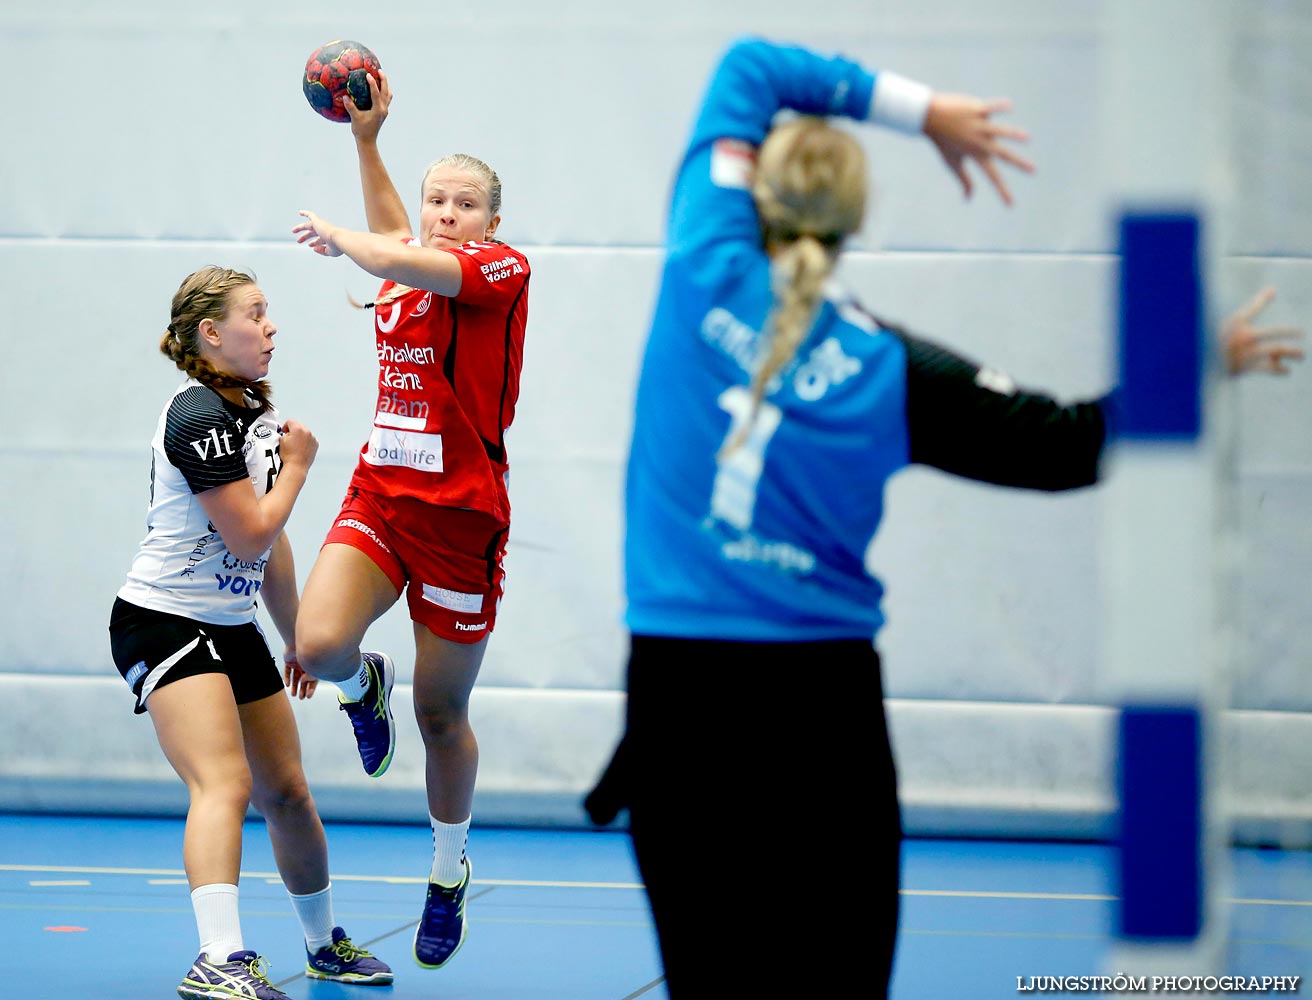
[1259, 349]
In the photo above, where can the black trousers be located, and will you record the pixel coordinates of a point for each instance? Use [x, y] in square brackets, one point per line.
[762, 797]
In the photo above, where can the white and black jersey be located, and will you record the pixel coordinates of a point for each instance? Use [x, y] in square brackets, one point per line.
[183, 566]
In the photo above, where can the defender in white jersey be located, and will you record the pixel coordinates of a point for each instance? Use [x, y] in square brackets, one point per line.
[224, 476]
[184, 567]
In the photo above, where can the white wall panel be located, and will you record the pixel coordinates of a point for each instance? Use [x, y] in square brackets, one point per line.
[212, 139]
[1272, 417]
[992, 593]
[1014, 573]
[1275, 601]
[1006, 770]
[170, 136]
[1271, 128]
[1268, 789]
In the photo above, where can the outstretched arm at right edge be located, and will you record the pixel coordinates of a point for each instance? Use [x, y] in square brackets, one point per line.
[975, 422]
[1248, 348]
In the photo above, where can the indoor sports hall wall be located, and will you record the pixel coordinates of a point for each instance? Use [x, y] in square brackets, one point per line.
[150, 138]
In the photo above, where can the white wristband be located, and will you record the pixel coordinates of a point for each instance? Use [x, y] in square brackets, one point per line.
[899, 102]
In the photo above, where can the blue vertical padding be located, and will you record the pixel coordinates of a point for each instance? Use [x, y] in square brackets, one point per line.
[1161, 826]
[1161, 310]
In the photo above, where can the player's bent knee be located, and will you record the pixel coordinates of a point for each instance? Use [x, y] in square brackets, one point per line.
[326, 653]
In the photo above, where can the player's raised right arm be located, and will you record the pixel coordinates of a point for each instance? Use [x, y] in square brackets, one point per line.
[384, 210]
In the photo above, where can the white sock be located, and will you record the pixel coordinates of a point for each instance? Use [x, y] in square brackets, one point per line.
[449, 841]
[217, 920]
[315, 912]
[353, 688]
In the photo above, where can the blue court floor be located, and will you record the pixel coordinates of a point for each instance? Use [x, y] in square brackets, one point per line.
[98, 908]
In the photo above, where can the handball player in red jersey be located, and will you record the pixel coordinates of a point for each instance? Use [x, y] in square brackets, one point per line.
[427, 511]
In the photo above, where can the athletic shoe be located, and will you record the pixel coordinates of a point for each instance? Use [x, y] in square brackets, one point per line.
[441, 929]
[242, 975]
[371, 716]
[345, 962]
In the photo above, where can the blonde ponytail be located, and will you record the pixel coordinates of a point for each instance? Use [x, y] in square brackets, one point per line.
[798, 274]
[810, 194]
[386, 300]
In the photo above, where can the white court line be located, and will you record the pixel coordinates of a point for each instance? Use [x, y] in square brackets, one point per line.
[273, 877]
[970, 894]
[60, 881]
[1080, 896]
[406, 919]
[1019, 935]
[81, 870]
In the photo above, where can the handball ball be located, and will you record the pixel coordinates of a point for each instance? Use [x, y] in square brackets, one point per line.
[335, 69]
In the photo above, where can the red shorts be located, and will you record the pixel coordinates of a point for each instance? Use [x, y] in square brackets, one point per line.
[446, 559]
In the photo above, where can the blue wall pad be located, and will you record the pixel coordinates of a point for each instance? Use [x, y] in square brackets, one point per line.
[1160, 784]
[1161, 328]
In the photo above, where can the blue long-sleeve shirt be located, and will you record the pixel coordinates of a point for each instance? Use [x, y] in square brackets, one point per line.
[770, 543]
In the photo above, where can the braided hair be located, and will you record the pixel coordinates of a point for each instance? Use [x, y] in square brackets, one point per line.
[810, 194]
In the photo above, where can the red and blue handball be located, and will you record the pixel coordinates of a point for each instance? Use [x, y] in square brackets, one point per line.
[335, 69]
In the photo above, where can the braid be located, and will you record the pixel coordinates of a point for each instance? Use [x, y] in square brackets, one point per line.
[171, 347]
[810, 192]
[798, 272]
[396, 292]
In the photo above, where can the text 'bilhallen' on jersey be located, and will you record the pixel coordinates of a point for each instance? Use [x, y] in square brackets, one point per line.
[183, 567]
[448, 381]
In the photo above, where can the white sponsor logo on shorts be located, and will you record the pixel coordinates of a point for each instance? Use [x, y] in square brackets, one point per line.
[350, 522]
[471, 628]
[454, 600]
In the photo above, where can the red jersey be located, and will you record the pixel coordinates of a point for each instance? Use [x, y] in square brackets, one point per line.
[448, 379]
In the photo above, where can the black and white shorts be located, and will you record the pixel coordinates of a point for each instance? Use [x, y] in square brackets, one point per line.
[154, 648]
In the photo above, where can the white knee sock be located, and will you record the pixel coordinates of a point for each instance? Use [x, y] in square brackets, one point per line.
[449, 841]
[353, 688]
[315, 912]
[217, 920]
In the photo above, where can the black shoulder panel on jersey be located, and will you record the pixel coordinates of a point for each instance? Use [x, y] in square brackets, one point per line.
[202, 440]
[974, 423]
